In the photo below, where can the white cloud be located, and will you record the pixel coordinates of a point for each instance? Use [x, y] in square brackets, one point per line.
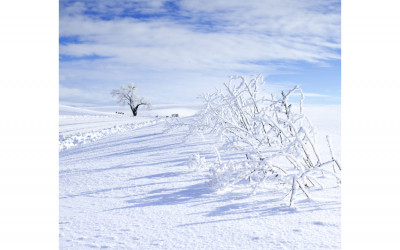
[242, 34]
[315, 95]
[67, 94]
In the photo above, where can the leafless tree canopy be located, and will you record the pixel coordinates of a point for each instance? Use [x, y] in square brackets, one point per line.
[126, 94]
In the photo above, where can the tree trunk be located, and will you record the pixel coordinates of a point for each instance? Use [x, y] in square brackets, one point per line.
[134, 109]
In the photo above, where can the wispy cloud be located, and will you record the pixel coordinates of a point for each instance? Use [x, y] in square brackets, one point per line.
[134, 39]
[89, 96]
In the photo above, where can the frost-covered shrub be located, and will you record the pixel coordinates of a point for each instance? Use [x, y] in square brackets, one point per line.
[276, 140]
[196, 162]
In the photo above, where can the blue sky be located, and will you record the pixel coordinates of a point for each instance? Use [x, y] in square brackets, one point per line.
[176, 50]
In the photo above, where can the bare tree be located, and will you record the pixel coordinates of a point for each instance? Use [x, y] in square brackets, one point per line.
[126, 94]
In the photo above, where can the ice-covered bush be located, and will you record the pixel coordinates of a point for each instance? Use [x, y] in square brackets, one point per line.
[275, 139]
[196, 161]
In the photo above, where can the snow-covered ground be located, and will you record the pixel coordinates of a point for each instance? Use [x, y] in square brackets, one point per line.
[127, 186]
[84, 125]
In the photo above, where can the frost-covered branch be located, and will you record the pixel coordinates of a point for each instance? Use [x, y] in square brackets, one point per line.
[277, 140]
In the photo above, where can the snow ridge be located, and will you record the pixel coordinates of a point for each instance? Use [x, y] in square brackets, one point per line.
[69, 141]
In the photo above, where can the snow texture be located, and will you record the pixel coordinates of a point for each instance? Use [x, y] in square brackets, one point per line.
[132, 189]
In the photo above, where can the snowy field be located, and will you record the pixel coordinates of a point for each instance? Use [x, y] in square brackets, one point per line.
[125, 184]
[84, 125]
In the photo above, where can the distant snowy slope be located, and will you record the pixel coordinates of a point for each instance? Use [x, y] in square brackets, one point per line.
[156, 110]
[82, 125]
[68, 110]
[160, 110]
